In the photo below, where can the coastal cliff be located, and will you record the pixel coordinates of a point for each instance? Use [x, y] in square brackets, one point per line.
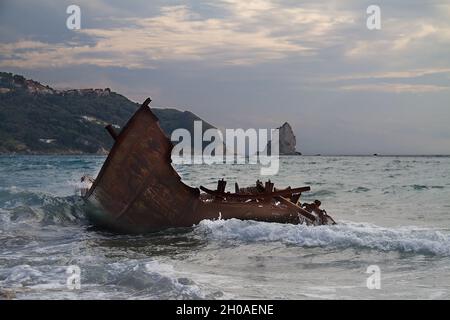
[38, 119]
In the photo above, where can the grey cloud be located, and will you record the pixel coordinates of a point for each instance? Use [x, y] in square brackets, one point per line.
[257, 64]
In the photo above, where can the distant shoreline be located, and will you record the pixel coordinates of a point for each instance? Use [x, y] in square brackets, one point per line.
[303, 155]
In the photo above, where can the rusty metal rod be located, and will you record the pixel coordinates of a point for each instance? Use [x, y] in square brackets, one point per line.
[111, 131]
[286, 192]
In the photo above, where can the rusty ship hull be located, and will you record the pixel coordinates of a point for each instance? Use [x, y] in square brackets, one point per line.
[137, 190]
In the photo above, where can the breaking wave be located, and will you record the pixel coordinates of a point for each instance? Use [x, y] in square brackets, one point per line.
[153, 279]
[22, 206]
[129, 279]
[344, 235]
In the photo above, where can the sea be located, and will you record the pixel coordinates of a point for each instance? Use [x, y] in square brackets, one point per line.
[391, 240]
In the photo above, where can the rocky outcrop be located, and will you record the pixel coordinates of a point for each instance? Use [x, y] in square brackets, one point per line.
[287, 140]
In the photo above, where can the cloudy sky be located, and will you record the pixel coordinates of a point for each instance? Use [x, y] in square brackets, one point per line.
[255, 63]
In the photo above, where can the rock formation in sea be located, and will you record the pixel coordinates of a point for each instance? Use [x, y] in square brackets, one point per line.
[287, 140]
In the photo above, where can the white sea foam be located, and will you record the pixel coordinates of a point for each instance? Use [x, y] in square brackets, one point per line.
[183, 286]
[40, 236]
[145, 279]
[343, 235]
[150, 277]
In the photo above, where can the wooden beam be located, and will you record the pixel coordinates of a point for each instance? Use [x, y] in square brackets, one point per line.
[307, 215]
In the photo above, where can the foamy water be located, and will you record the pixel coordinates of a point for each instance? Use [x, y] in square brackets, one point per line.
[392, 212]
[344, 235]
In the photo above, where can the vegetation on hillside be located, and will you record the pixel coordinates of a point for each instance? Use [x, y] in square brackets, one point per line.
[38, 119]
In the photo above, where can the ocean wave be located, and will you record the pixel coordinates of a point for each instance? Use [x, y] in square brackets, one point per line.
[152, 279]
[360, 189]
[21, 206]
[343, 235]
[420, 187]
[319, 193]
[129, 279]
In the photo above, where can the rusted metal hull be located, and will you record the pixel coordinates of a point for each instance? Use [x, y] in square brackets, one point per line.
[137, 189]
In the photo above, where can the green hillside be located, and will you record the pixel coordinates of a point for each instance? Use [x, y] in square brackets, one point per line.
[35, 118]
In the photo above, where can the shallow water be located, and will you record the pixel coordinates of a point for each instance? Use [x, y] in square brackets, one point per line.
[393, 212]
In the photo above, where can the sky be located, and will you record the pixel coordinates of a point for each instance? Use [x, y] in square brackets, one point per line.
[344, 89]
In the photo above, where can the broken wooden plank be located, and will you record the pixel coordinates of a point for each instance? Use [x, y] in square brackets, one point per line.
[307, 215]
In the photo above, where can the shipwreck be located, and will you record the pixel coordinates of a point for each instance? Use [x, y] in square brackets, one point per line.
[137, 190]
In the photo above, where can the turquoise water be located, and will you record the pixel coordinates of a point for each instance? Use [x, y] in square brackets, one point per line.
[393, 212]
